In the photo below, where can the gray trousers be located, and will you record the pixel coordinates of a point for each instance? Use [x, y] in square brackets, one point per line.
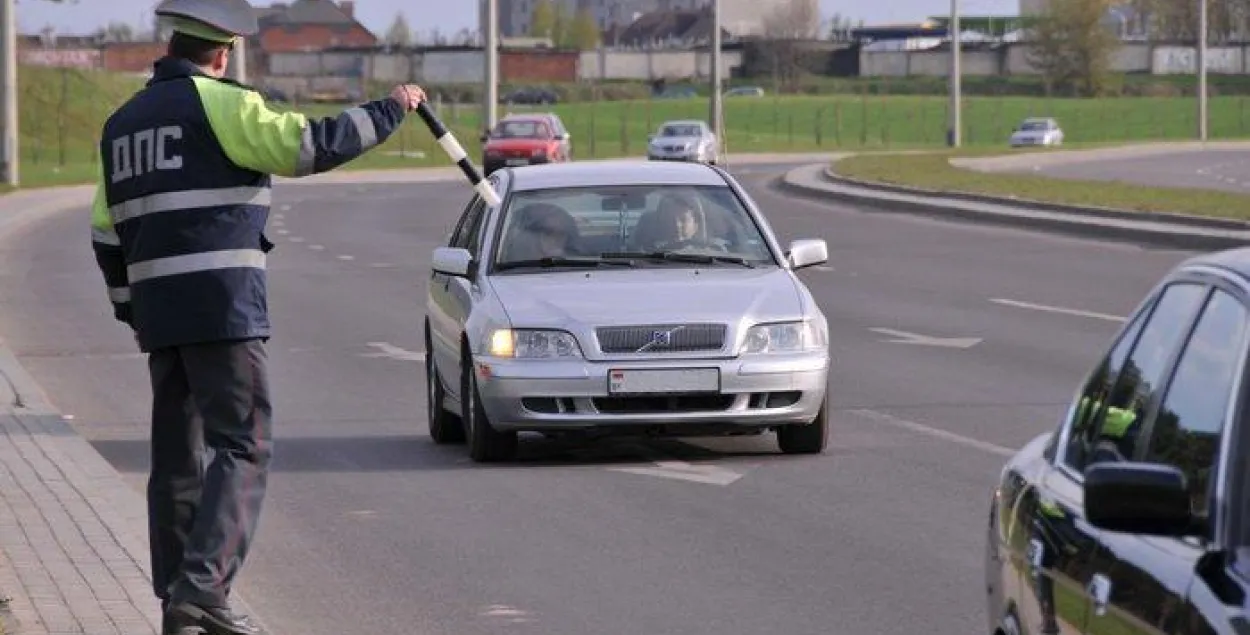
[201, 518]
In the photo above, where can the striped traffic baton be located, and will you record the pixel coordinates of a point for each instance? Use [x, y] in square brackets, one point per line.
[454, 150]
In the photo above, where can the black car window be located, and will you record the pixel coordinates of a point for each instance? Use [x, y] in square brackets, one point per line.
[1186, 432]
[460, 234]
[1108, 416]
[1120, 424]
[1085, 418]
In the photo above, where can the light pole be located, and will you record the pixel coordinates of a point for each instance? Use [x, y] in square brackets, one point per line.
[1202, 70]
[715, 115]
[954, 126]
[490, 58]
[8, 93]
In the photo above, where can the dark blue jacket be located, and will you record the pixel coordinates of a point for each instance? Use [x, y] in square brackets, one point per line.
[179, 216]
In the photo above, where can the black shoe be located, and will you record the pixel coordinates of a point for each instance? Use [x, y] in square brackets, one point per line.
[190, 619]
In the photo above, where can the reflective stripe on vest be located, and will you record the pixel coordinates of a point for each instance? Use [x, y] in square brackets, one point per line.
[190, 263]
[189, 199]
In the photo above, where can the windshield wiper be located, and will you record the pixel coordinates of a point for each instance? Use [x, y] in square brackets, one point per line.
[674, 256]
[560, 261]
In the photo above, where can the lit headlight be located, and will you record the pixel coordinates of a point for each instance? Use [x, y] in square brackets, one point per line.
[784, 337]
[533, 344]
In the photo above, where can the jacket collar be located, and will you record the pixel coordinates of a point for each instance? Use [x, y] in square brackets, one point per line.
[167, 68]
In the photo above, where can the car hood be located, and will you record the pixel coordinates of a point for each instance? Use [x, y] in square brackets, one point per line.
[676, 141]
[647, 296]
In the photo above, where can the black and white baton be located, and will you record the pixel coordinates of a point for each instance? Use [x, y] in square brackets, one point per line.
[454, 150]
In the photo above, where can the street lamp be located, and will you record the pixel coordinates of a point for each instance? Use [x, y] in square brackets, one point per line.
[954, 125]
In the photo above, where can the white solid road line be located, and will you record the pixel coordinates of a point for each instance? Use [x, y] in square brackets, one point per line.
[1058, 309]
[391, 351]
[891, 420]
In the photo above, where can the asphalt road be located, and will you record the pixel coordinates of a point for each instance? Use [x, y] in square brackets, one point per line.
[1227, 170]
[370, 528]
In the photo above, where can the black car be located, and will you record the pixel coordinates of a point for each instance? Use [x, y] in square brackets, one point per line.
[1131, 516]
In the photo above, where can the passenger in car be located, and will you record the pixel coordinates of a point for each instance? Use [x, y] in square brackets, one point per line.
[546, 231]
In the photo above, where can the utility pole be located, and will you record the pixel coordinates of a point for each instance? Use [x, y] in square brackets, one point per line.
[1202, 70]
[8, 93]
[955, 126]
[238, 61]
[716, 115]
[490, 53]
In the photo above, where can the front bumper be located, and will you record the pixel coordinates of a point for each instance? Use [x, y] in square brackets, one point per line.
[551, 395]
[490, 164]
[653, 155]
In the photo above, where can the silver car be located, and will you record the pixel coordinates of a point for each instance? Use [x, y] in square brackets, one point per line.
[684, 140]
[622, 297]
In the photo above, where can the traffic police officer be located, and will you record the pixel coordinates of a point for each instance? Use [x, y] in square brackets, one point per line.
[177, 231]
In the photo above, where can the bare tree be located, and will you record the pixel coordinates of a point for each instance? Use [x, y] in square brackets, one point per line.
[784, 31]
[1072, 45]
[1177, 20]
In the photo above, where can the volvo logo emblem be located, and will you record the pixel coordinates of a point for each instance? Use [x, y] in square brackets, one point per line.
[661, 338]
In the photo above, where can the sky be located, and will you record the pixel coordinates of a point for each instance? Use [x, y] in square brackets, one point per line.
[84, 16]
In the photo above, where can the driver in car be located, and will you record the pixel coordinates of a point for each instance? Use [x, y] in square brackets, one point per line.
[676, 224]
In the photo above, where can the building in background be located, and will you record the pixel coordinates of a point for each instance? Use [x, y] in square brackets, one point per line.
[739, 18]
[310, 25]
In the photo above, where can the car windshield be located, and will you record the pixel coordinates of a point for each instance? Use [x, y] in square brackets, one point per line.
[681, 130]
[521, 130]
[1033, 125]
[636, 225]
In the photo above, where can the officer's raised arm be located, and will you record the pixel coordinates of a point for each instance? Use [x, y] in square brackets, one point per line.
[292, 144]
[109, 257]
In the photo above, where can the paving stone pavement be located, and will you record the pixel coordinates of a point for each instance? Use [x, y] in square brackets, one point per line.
[73, 554]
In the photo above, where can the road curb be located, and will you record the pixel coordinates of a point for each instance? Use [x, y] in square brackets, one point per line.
[1085, 210]
[1157, 230]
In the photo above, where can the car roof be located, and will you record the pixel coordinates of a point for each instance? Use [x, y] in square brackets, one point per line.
[613, 172]
[1234, 261]
[683, 122]
[527, 116]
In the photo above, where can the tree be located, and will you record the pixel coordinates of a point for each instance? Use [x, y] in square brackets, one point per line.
[584, 33]
[560, 30]
[399, 35]
[783, 31]
[543, 19]
[1072, 45]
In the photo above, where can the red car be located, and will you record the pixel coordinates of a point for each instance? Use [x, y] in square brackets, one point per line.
[525, 140]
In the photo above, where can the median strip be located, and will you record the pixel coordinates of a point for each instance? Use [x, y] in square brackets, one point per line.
[933, 171]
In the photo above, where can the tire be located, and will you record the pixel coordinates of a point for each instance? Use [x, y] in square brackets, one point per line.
[486, 444]
[812, 438]
[445, 427]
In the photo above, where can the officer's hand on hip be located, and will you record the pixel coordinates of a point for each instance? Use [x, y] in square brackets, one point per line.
[410, 95]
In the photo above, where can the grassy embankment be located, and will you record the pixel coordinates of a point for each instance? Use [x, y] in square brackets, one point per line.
[933, 171]
[62, 110]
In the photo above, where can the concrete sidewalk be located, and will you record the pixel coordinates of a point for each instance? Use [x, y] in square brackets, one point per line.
[73, 534]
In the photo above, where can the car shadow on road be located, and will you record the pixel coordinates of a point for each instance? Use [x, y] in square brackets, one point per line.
[398, 453]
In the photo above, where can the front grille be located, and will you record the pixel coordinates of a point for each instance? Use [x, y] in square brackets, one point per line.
[663, 338]
[652, 405]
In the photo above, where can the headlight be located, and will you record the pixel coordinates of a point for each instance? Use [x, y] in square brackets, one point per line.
[533, 344]
[784, 337]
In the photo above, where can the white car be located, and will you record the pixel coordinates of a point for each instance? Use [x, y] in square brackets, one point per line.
[622, 298]
[1037, 131]
[684, 140]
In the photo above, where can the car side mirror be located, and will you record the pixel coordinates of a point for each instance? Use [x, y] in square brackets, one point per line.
[807, 252]
[1139, 498]
[484, 138]
[453, 261]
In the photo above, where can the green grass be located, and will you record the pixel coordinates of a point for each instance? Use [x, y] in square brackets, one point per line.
[933, 170]
[62, 110]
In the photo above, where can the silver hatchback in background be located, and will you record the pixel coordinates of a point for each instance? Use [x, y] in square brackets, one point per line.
[684, 140]
[622, 297]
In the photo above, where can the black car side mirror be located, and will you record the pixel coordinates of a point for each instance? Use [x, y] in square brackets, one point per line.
[1139, 498]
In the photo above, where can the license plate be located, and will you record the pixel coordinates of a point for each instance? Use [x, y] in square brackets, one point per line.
[518, 161]
[662, 381]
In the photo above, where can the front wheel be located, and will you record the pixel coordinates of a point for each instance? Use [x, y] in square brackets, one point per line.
[445, 427]
[812, 438]
[486, 444]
